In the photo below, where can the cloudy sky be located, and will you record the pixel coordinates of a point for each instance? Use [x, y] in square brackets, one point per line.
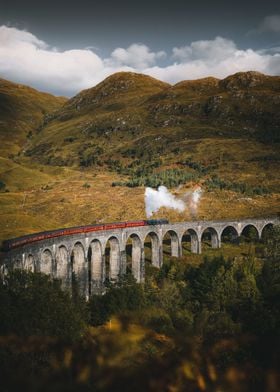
[62, 48]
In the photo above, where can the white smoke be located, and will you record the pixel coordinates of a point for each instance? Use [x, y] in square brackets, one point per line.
[194, 200]
[155, 199]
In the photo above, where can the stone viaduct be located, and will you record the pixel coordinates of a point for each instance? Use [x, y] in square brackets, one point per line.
[91, 258]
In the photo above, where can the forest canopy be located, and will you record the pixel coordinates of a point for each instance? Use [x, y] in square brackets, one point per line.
[211, 326]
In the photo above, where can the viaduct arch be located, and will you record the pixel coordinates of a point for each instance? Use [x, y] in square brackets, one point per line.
[88, 259]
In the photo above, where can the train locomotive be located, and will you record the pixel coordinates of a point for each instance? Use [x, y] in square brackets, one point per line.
[28, 239]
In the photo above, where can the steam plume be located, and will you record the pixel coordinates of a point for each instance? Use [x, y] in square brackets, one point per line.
[192, 199]
[155, 199]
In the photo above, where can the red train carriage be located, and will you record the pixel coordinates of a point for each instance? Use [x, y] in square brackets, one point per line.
[20, 241]
[113, 226]
[136, 223]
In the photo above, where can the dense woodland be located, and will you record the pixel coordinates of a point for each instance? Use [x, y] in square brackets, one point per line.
[213, 326]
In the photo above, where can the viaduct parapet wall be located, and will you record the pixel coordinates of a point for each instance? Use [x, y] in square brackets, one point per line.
[91, 258]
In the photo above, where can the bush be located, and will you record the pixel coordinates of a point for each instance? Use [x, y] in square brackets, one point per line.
[2, 186]
[89, 155]
[157, 319]
[197, 166]
[170, 178]
[70, 139]
[216, 183]
[182, 320]
[220, 325]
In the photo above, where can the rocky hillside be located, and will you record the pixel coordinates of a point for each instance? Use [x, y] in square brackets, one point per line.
[60, 160]
[131, 112]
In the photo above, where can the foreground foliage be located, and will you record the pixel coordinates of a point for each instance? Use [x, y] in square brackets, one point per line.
[33, 305]
[211, 327]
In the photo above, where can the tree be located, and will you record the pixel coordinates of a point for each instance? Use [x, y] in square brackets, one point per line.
[33, 304]
[270, 277]
[2, 186]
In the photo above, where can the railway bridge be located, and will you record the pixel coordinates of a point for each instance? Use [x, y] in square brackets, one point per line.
[91, 258]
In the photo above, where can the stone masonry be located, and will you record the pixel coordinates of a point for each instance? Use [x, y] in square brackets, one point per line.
[82, 258]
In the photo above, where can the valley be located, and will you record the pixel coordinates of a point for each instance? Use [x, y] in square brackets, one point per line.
[88, 159]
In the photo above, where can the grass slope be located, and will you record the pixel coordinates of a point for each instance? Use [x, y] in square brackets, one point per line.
[132, 112]
[22, 110]
[62, 173]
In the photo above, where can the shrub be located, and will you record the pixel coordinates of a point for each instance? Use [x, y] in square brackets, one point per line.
[69, 139]
[170, 178]
[2, 186]
[217, 183]
[89, 155]
[182, 320]
[157, 319]
[200, 168]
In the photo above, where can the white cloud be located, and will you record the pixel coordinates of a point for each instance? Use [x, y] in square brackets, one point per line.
[274, 64]
[219, 57]
[11, 37]
[26, 59]
[271, 23]
[137, 56]
[215, 50]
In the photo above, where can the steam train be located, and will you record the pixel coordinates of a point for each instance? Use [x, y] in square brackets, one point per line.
[28, 239]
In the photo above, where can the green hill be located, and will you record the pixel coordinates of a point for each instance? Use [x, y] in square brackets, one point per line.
[22, 110]
[59, 158]
[132, 114]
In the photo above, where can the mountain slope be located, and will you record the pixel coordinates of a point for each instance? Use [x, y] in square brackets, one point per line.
[133, 110]
[118, 91]
[22, 110]
[133, 131]
[112, 110]
[245, 104]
